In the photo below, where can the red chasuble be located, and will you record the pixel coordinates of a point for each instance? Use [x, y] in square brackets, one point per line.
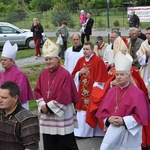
[97, 73]
[57, 85]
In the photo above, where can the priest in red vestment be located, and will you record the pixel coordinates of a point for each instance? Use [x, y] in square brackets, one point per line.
[56, 95]
[89, 71]
[125, 109]
[13, 73]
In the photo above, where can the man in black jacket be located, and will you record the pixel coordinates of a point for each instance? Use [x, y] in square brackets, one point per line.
[88, 28]
[134, 20]
[140, 34]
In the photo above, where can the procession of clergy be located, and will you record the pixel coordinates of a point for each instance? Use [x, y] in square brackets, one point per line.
[94, 75]
[107, 84]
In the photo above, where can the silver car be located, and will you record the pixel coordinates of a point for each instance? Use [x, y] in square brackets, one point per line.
[14, 34]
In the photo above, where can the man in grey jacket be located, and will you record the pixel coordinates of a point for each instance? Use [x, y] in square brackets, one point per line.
[134, 45]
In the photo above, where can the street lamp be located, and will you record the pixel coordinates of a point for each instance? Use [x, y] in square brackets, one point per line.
[108, 13]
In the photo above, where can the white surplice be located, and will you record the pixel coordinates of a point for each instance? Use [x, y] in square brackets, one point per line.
[71, 58]
[109, 55]
[121, 138]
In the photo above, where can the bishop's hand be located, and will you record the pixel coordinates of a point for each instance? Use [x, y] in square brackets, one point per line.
[44, 109]
[116, 120]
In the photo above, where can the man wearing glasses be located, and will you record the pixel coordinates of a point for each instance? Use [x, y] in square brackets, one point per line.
[100, 46]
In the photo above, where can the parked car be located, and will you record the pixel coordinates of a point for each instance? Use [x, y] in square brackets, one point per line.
[23, 37]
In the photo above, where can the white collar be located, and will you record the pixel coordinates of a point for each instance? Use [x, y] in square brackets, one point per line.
[88, 58]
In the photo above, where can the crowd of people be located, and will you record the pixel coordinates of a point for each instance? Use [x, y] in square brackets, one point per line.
[100, 90]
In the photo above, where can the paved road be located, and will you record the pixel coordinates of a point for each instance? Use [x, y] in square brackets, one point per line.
[27, 62]
[84, 143]
[95, 32]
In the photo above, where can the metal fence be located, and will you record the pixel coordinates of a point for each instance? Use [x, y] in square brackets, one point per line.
[117, 18]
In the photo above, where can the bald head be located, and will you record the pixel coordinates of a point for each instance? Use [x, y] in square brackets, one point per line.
[75, 40]
[139, 32]
[133, 12]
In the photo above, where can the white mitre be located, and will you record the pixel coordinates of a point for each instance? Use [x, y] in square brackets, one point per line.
[9, 51]
[50, 49]
[123, 62]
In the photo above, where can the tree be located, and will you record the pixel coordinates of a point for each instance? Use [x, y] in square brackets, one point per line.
[41, 5]
[117, 3]
[59, 13]
[143, 2]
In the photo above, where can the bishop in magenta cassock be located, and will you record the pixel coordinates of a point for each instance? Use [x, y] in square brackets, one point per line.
[125, 109]
[56, 95]
[13, 73]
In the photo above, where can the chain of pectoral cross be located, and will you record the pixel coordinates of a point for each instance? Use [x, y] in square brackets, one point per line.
[49, 86]
[118, 101]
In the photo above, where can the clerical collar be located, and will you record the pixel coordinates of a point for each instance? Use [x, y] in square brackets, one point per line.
[77, 49]
[122, 87]
[88, 58]
[112, 46]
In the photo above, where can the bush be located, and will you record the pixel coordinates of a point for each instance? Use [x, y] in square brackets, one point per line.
[100, 23]
[16, 16]
[116, 23]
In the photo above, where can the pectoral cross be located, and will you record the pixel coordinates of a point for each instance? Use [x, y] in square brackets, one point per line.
[116, 108]
[48, 93]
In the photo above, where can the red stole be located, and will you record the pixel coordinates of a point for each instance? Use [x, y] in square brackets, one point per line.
[100, 46]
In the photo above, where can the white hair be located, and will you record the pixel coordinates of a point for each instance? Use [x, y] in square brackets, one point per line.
[132, 29]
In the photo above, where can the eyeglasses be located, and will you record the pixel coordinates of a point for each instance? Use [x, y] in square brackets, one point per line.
[98, 42]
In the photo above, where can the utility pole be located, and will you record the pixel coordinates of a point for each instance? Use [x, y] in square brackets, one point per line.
[108, 13]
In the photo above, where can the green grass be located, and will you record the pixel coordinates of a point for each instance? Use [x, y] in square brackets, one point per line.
[32, 105]
[99, 16]
[32, 73]
[23, 53]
